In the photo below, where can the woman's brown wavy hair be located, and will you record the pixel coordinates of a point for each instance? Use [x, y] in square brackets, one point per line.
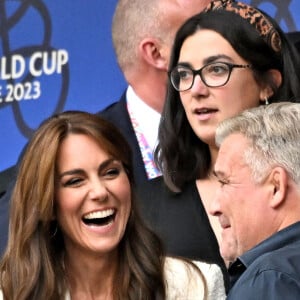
[32, 265]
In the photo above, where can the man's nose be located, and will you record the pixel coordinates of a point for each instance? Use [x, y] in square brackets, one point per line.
[214, 206]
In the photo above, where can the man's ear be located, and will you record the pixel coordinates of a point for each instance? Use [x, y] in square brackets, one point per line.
[151, 51]
[278, 179]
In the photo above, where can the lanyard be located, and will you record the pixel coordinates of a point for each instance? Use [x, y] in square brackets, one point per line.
[147, 155]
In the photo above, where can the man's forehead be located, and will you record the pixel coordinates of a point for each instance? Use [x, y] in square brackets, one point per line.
[184, 8]
[200, 4]
[231, 153]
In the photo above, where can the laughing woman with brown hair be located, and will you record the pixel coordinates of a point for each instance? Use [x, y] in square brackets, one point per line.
[75, 231]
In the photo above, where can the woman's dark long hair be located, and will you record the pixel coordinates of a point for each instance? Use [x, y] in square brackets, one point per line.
[180, 154]
[32, 265]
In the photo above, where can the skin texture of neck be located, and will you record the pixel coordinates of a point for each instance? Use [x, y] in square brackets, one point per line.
[85, 275]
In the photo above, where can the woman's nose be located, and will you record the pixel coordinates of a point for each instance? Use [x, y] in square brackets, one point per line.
[98, 190]
[198, 87]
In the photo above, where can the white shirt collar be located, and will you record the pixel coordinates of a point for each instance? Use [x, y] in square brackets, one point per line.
[147, 118]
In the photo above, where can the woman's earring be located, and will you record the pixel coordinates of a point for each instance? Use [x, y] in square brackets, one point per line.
[266, 101]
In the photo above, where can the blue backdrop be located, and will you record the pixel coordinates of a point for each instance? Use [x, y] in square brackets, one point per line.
[58, 55]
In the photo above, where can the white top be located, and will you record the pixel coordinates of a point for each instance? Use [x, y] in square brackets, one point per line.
[184, 283]
[147, 118]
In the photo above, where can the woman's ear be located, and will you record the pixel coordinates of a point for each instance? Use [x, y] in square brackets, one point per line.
[274, 81]
[276, 77]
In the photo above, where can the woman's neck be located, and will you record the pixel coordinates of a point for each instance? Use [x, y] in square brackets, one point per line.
[90, 277]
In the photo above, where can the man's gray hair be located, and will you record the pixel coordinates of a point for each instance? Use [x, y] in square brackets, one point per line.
[273, 132]
[134, 20]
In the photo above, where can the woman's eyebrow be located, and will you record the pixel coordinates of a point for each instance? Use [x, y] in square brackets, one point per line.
[71, 172]
[207, 60]
[214, 58]
[79, 171]
[108, 162]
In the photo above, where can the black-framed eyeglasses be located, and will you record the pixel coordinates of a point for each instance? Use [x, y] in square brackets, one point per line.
[212, 75]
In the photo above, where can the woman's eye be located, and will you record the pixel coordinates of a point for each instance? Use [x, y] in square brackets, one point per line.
[73, 182]
[218, 69]
[113, 172]
[183, 74]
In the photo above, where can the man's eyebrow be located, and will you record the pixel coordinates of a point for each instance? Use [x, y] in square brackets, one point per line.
[218, 174]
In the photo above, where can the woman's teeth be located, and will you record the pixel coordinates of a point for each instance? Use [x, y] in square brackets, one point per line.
[102, 217]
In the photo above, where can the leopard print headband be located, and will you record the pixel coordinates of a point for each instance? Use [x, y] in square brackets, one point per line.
[254, 17]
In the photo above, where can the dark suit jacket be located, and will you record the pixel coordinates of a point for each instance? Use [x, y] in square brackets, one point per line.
[117, 114]
[7, 179]
[4, 214]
